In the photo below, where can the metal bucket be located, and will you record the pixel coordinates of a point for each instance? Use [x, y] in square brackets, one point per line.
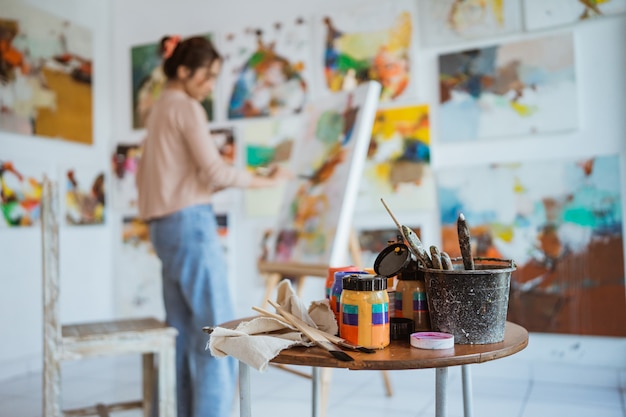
[472, 305]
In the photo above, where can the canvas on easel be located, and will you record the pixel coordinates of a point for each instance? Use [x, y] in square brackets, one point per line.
[314, 221]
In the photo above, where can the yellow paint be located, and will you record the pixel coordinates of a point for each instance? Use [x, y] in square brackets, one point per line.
[522, 109]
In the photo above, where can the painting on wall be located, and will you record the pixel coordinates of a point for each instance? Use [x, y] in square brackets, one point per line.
[369, 43]
[561, 222]
[148, 78]
[124, 164]
[46, 75]
[548, 13]
[514, 89]
[85, 195]
[266, 70]
[20, 193]
[138, 286]
[447, 21]
[327, 161]
[267, 143]
[397, 167]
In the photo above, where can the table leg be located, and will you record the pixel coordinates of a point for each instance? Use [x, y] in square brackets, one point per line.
[466, 373]
[315, 401]
[441, 385]
[244, 390]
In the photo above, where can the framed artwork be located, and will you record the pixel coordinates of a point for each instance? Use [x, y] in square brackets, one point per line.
[561, 222]
[85, 195]
[20, 193]
[548, 13]
[46, 74]
[519, 88]
[448, 21]
[124, 164]
[327, 161]
[368, 43]
[397, 167]
[268, 142]
[266, 69]
[148, 79]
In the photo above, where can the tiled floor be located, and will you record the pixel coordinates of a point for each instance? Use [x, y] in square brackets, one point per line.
[503, 388]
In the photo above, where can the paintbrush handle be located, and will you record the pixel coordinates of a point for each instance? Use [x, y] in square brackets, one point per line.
[465, 242]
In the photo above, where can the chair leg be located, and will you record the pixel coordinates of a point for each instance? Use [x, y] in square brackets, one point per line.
[149, 373]
[167, 379]
[52, 388]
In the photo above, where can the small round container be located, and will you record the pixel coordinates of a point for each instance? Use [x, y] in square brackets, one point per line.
[364, 317]
[330, 277]
[400, 328]
[337, 289]
[410, 299]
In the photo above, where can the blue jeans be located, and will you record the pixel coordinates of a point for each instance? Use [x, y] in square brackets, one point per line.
[196, 294]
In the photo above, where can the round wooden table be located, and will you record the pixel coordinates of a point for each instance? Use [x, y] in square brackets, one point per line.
[398, 355]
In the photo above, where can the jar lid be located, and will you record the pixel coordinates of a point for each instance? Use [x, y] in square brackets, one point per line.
[362, 282]
[393, 259]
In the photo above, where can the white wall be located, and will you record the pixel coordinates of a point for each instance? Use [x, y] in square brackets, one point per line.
[86, 253]
[85, 263]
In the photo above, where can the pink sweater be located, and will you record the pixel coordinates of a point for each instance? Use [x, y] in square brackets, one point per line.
[180, 164]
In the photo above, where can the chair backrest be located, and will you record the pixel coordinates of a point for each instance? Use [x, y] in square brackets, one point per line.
[50, 278]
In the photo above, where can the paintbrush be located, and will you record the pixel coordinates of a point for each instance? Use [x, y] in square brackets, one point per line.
[331, 338]
[436, 257]
[446, 262]
[315, 337]
[413, 242]
[464, 242]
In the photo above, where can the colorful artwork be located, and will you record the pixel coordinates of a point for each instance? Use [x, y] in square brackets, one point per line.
[45, 75]
[561, 222]
[370, 43]
[266, 69]
[268, 142]
[327, 160]
[125, 162]
[148, 79]
[138, 286]
[20, 194]
[547, 13]
[446, 21]
[397, 167]
[84, 196]
[514, 89]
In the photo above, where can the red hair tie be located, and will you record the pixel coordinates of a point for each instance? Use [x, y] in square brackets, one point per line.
[169, 46]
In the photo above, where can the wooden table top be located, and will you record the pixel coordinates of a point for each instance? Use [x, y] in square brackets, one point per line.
[401, 355]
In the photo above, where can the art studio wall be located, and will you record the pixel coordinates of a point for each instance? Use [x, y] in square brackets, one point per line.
[99, 268]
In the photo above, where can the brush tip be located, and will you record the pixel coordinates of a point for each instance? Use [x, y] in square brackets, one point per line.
[461, 217]
[342, 356]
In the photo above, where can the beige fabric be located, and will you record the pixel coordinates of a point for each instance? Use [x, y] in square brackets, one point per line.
[259, 340]
[180, 164]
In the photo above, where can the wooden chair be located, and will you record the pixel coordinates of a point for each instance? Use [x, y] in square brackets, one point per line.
[151, 338]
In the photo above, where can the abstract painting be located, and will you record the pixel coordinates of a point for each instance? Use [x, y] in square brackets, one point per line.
[369, 43]
[547, 13]
[561, 222]
[397, 167]
[327, 160]
[267, 143]
[266, 69]
[447, 21]
[85, 196]
[148, 78]
[20, 193]
[514, 89]
[124, 164]
[46, 75]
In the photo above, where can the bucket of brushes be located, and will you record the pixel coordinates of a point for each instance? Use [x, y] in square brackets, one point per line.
[470, 304]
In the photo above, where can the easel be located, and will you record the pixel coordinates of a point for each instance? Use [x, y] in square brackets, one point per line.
[274, 272]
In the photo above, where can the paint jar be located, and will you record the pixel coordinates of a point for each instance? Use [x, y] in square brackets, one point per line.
[336, 290]
[330, 278]
[410, 300]
[364, 317]
[389, 263]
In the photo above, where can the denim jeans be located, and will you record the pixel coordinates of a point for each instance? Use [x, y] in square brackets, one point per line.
[196, 294]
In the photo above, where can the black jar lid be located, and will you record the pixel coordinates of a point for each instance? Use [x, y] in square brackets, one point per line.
[393, 259]
[361, 282]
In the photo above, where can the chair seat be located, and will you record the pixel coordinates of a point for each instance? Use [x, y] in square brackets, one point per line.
[115, 337]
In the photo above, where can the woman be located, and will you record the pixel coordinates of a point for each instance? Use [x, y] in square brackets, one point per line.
[179, 171]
